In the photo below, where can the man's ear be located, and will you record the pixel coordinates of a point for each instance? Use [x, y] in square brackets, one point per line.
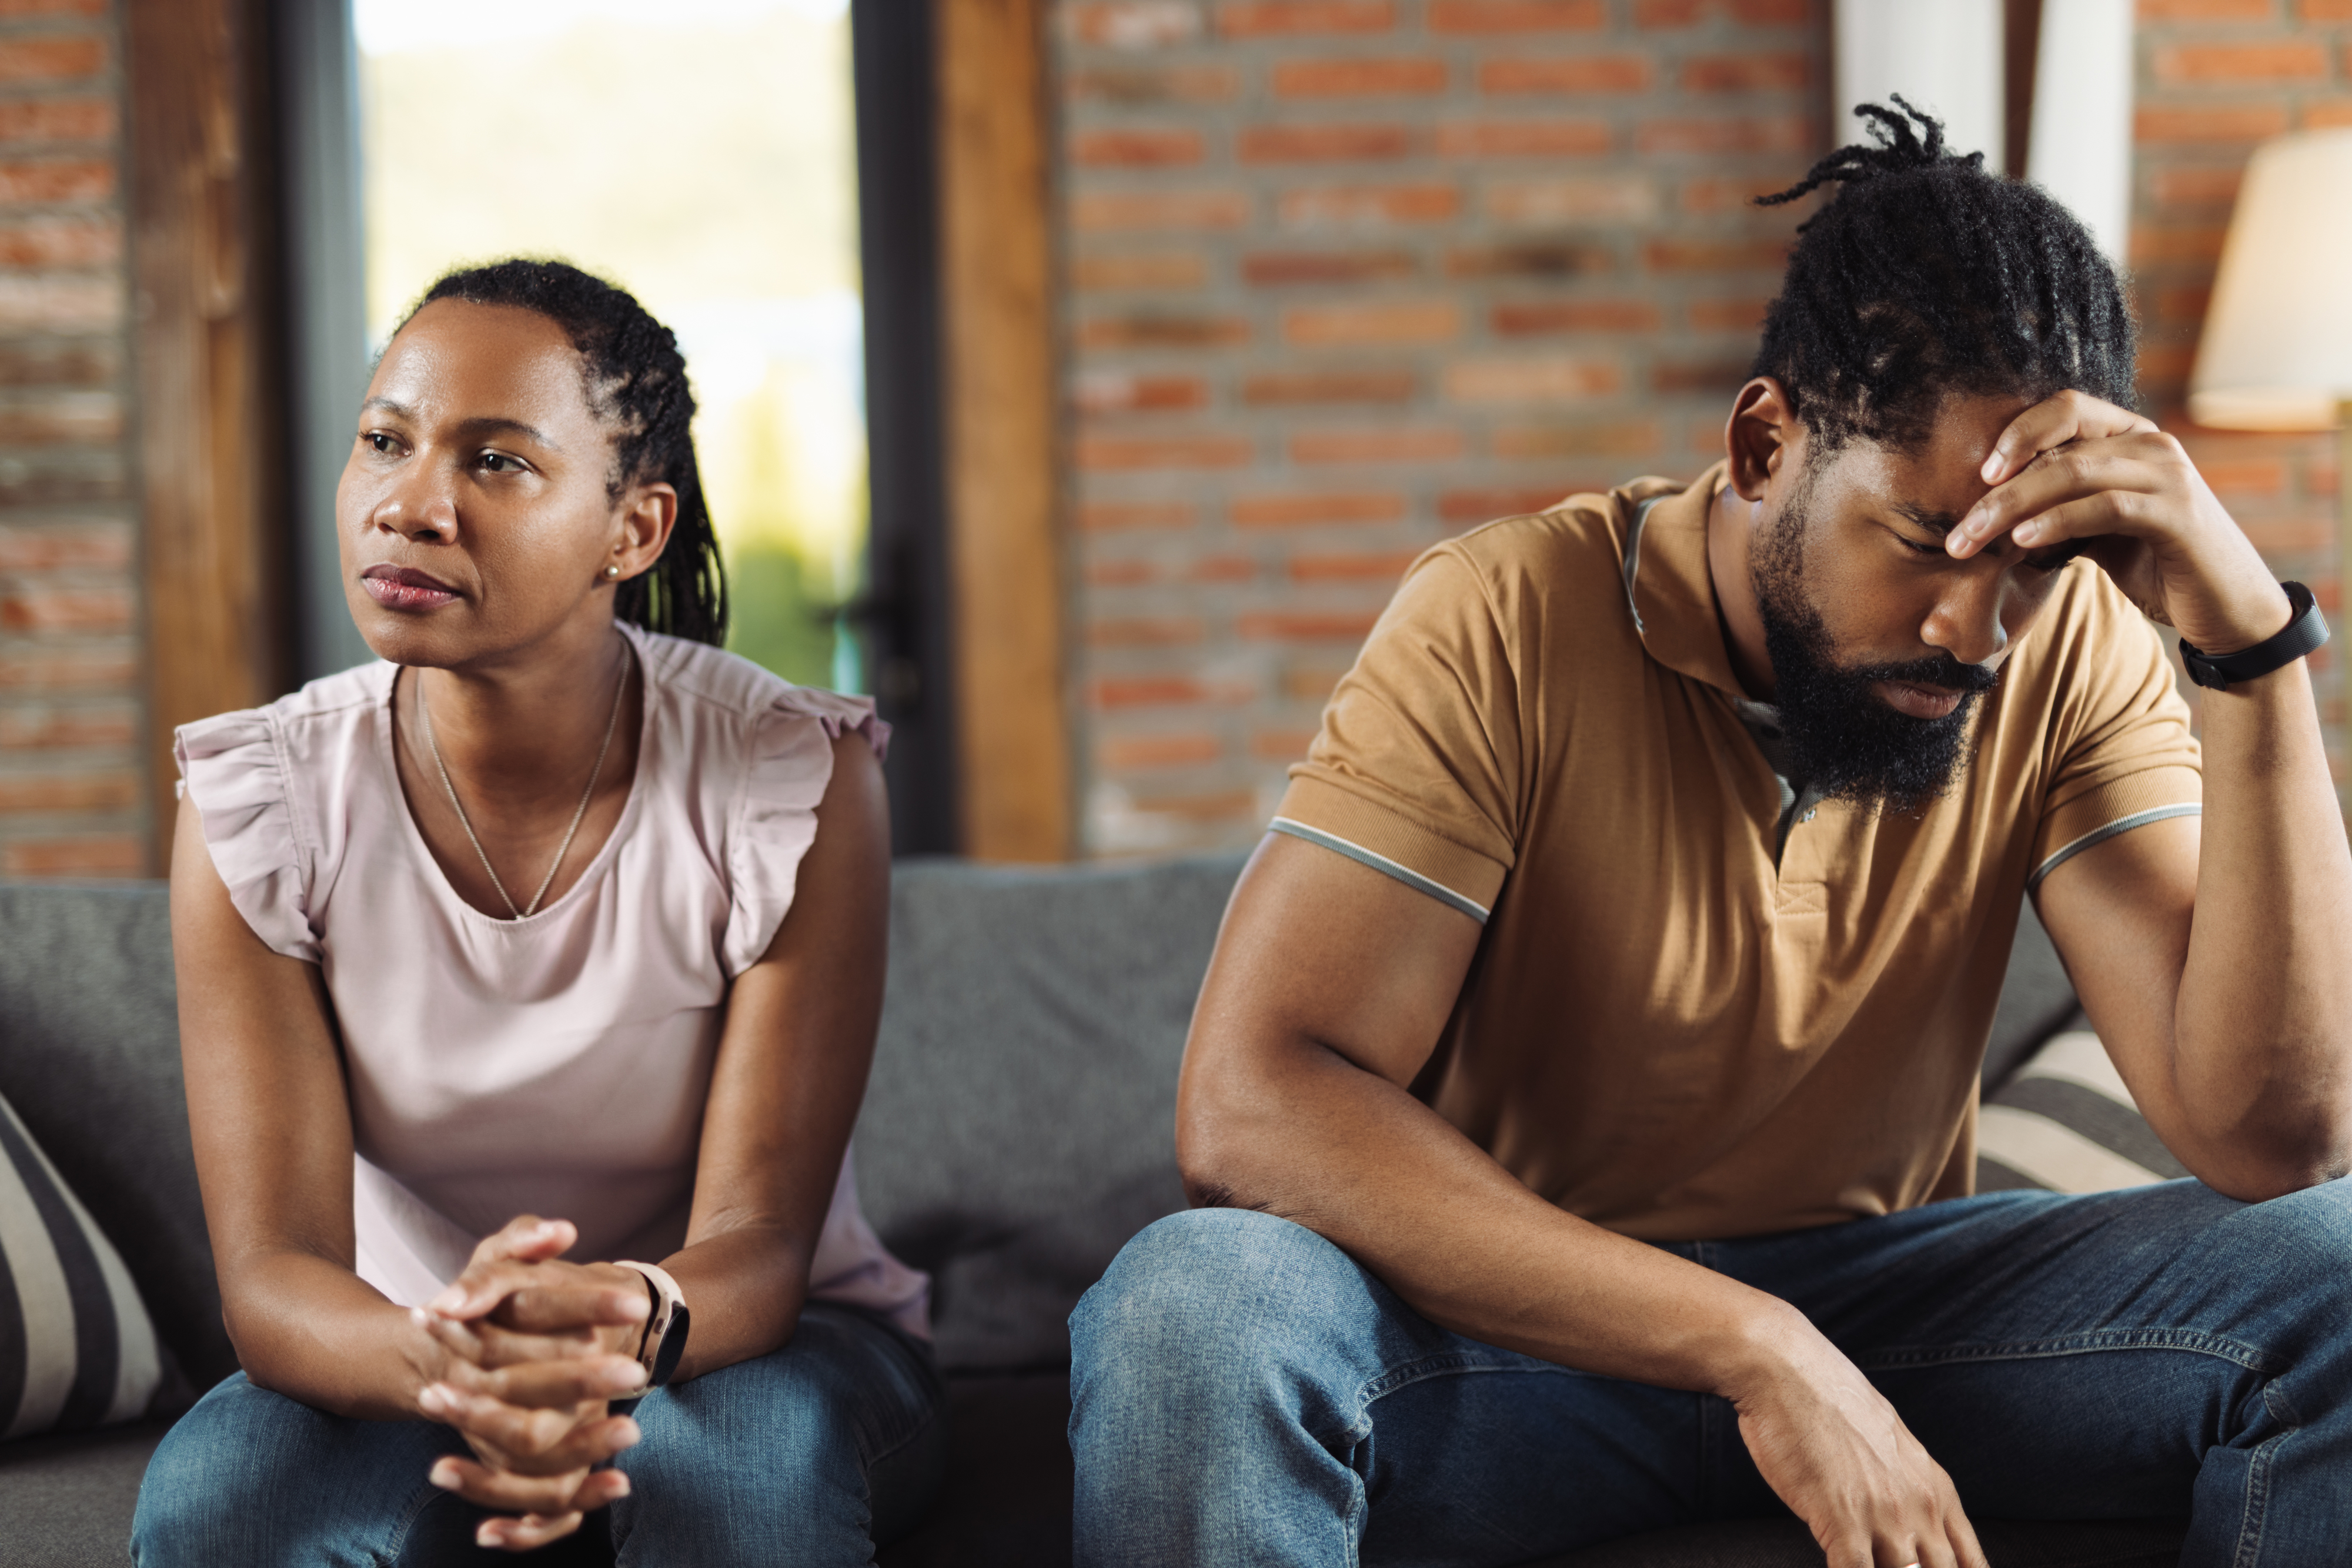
[1761, 436]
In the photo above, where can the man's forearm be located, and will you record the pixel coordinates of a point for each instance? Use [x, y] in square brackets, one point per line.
[2262, 1024]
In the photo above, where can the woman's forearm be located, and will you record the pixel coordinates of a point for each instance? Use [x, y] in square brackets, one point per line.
[744, 1289]
[309, 1328]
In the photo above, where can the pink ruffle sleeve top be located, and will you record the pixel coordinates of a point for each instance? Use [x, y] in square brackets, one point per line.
[554, 1065]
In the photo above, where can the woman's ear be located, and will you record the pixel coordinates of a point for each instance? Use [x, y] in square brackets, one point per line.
[645, 516]
[1758, 438]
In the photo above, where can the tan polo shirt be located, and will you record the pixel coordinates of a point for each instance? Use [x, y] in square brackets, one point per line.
[1663, 1032]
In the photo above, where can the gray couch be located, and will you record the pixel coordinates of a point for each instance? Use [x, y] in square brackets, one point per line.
[1018, 1130]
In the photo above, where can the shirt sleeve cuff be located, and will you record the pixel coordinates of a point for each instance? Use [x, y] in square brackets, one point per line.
[1373, 834]
[2116, 807]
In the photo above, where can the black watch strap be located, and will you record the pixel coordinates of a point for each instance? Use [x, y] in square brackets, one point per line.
[2306, 629]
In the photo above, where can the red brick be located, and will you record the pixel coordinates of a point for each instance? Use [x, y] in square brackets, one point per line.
[1133, 24]
[1094, 211]
[2281, 59]
[61, 419]
[1592, 199]
[1237, 806]
[1155, 269]
[50, 59]
[1147, 690]
[1330, 626]
[1729, 315]
[2290, 536]
[2245, 476]
[2221, 122]
[2183, 305]
[1330, 386]
[2327, 10]
[1531, 381]
[1622, 438]
[1145, 633]
[1310, 509]
[39, 607]
[1423, 444]
[53, 8]
[1328, 267]
[1106, 517]
[1749, 73]
[1223, 568]
[108, 790]
[2196, 187]
[1280, 745]
[59, 242]
[1120, 573]
[52, 669]
[57, 120]
[86, 363]
[1120, 391]
[1100, 453]
[2328, 115]
[89, 855]
[1136, 753]
[1549, 316]
[1771, 12]
[1322, 143]
[1716, 255]
[1154, 84]
[1573, 73]
[1684, 376]
[1524, 137]
[1459, 506]
[1419, 203]
[1311, 685]
[1299, 19]
[2153, 243]
[60, 304]
[1380, 566]
[54, 728]
[56, 180]
[1375, 321]
[2207, 10]
[1532, 258]
[1358, 77]
[1720, 194]
[1517, 15]
[1656, 13]
[1136, 149]
[79, 546]
[1750, 133]
[1158, 329]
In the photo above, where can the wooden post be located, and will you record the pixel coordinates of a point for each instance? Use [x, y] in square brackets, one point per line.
[216, 626]
[1004, 545]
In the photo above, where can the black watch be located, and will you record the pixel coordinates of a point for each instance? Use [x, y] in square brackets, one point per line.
[2306, 629]
[663, 1339]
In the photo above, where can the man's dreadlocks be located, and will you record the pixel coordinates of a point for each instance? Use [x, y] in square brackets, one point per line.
[1924, 277]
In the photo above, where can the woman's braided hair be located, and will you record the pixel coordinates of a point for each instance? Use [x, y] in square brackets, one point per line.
[1924, 277]
[636, 382]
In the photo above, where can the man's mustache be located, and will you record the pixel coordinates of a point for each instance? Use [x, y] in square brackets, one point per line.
[1943, 670]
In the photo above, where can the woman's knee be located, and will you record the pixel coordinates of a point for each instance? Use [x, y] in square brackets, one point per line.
[229, 1469]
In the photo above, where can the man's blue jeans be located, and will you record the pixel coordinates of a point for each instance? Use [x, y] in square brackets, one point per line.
[806, 1456]
[1244, 1394]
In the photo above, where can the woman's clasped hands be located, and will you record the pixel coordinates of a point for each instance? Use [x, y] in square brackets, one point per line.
[520, 1356]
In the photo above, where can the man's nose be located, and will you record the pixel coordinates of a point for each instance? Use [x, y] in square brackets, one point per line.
[1966, 620]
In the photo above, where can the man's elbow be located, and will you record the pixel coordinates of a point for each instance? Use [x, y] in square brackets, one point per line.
[2309, 1150]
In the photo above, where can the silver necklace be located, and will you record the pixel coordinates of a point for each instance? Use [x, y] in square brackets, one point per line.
[424, 719]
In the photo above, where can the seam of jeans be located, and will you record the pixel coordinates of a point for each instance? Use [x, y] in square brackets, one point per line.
[1451, 1363]
[2195, 1341]
[399, 1542]
[2258, 1485]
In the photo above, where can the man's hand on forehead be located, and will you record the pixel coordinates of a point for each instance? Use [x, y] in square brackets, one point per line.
[2072, 475]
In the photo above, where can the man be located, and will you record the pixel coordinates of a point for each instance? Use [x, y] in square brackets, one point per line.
[1581, 1098]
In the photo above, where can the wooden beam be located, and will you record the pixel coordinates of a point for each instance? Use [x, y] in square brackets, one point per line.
[215, 631]
[1004, 540]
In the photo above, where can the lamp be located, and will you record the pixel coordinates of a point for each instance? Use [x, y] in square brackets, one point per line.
[2276, 353]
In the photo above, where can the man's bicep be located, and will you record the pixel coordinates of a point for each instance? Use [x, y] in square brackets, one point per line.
[2119, 914]
[1322, 947]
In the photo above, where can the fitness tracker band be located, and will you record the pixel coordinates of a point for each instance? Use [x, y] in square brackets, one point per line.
[663, 1339]
[2306, 629]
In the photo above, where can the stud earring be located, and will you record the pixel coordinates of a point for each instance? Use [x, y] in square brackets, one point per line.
[611, 570]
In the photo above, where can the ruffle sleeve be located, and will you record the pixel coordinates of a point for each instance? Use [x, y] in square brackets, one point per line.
[233, 767]
[774, 819]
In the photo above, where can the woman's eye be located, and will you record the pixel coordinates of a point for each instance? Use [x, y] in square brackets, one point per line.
[383, 445]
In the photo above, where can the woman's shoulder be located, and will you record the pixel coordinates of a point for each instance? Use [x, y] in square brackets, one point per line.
[330, 702]
[743, 698]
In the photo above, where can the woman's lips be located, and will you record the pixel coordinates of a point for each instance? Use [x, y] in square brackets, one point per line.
[1918, 701]
[405, 588]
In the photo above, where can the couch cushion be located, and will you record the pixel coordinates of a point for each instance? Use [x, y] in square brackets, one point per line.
[89, 1056]
[2065, 1123]
[1020, 1125]
[2036, 998]
[77, 1349]
[68, 1499]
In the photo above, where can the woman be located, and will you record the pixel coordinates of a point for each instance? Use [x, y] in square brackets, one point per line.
[558, 911]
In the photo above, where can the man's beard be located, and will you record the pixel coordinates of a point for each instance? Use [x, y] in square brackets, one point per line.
[1843, 740]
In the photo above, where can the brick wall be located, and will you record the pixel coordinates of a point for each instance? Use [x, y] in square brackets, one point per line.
[2216, 77]
[1346, 275]
[72, 788]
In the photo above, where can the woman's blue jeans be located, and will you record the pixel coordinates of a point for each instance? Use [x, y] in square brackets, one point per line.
[1244, 1394]
[807, 1455]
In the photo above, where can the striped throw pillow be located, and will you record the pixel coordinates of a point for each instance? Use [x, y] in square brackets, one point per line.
[76, 1348]
[2066, 1124]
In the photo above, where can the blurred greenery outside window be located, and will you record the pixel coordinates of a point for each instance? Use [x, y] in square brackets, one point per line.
[699, 153]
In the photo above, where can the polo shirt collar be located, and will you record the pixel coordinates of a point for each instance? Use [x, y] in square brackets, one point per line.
[1669, 589]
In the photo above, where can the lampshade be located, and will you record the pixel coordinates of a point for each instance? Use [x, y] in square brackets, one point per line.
[2277, 348]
